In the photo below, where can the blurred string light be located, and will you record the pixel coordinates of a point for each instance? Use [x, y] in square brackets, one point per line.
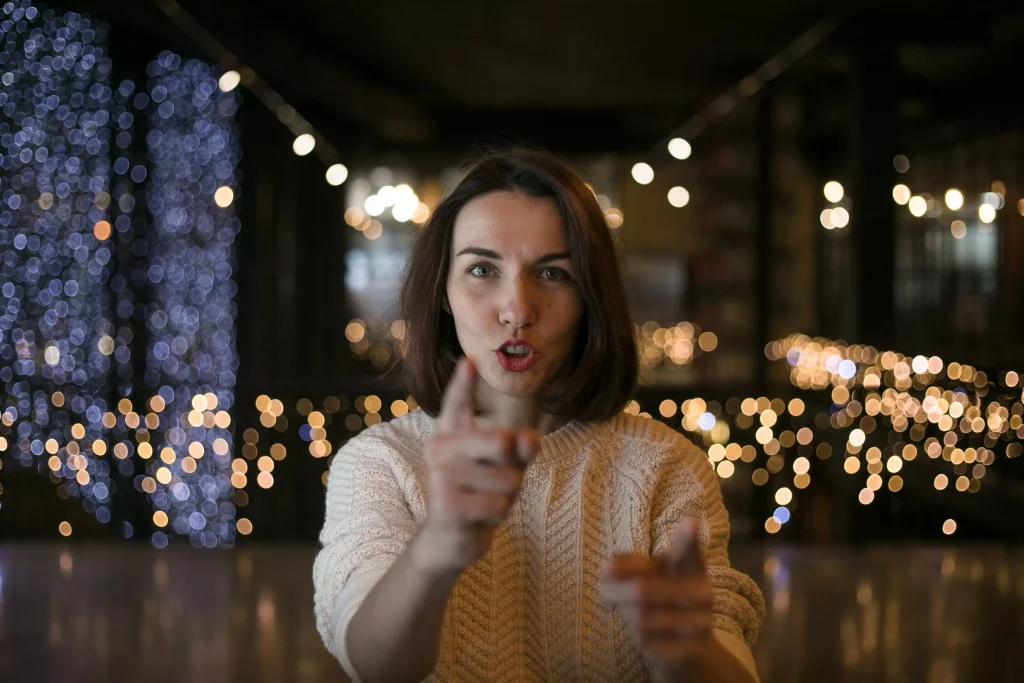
[678, 197]
[833, 191]
[57, 334]
[954, 199]
[901, 194]
[943, 407]
[779, 426]
[933, 409]
[679, 148]
[336, 174]
[672, 346]
[834, 217]
[678, 142]
[901, 163]
[398, 202]
[918, 206]
[191, 356]
[642, 173]
[306, 137]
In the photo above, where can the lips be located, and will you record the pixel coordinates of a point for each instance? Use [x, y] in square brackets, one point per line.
[516, 355]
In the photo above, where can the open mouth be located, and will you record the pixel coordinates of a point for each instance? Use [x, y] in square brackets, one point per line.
[516, 351]
[516, 355]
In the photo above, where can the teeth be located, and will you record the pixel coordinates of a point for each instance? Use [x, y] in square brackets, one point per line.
[517, 350]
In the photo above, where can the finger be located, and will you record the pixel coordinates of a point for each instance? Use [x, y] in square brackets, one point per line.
[686, 555]
[654, 591]
[526, 445]
[487, 478]
[458, 404]
[665, 622]
[628, 566]
[494, 446]
[674, 648]
[475, 506]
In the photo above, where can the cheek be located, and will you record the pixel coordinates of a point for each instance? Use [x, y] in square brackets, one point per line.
[472, 311]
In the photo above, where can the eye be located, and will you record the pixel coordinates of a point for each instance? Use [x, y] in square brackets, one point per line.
[553, 274]
[480, 270]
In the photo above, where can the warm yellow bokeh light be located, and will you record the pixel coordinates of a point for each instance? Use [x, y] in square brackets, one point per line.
[954, 198]
[833, 191]
[642, 173]
[679, 148]
[918, 206]
[337, 174]
[223, 196]
[901, 194]
[783, 496]
[229, 80]
[678, 197]
[303, 144]
[986, 213]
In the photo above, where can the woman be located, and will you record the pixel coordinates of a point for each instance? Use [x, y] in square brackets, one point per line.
[521, 526]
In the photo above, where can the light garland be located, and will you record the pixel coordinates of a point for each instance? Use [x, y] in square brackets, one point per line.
[56, 332]
[191, 357]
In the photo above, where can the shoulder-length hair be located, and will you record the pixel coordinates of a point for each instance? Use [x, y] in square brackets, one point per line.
[604, 359]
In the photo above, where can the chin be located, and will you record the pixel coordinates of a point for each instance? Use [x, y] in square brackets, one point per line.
[519, 388]
[517, 384]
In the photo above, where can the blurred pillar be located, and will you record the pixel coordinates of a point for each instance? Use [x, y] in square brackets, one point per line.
[874, 141]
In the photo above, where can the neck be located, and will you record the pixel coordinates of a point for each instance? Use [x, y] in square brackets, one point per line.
[515, 413]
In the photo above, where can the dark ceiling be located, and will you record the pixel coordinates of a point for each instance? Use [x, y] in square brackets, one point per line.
[577, 76]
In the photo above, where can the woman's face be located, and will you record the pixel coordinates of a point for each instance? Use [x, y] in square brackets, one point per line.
[511, 283]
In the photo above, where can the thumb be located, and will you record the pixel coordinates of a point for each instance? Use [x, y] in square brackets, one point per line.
[458, 404]
[686, 555]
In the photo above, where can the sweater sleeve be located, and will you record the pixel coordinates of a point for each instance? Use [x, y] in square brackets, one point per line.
[367, 526]
[685, 485]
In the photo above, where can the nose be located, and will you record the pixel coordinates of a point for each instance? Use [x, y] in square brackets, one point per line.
[517, 309]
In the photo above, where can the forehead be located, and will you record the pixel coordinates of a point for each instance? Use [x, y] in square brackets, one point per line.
[510, 222]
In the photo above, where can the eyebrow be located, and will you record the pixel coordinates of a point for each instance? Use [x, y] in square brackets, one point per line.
[491, 254]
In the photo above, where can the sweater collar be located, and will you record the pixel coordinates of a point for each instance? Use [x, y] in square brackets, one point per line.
[569, 439]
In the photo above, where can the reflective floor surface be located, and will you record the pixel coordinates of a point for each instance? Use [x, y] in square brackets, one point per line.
[130, 613]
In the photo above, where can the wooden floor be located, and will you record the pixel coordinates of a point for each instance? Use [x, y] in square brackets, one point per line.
[125, 613]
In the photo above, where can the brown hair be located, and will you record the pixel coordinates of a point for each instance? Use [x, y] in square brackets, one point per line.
[604, 359]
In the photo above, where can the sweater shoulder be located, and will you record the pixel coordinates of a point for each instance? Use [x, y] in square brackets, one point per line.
[401, 437]
[645, 446]
[648, 434]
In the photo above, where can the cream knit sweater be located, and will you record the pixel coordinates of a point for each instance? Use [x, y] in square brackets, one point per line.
[530, 609]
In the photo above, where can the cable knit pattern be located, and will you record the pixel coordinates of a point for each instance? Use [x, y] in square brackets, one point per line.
[530, 609]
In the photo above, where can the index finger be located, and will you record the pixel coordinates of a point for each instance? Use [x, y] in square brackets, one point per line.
[628, 566]
[686, 556]
[458, 404]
